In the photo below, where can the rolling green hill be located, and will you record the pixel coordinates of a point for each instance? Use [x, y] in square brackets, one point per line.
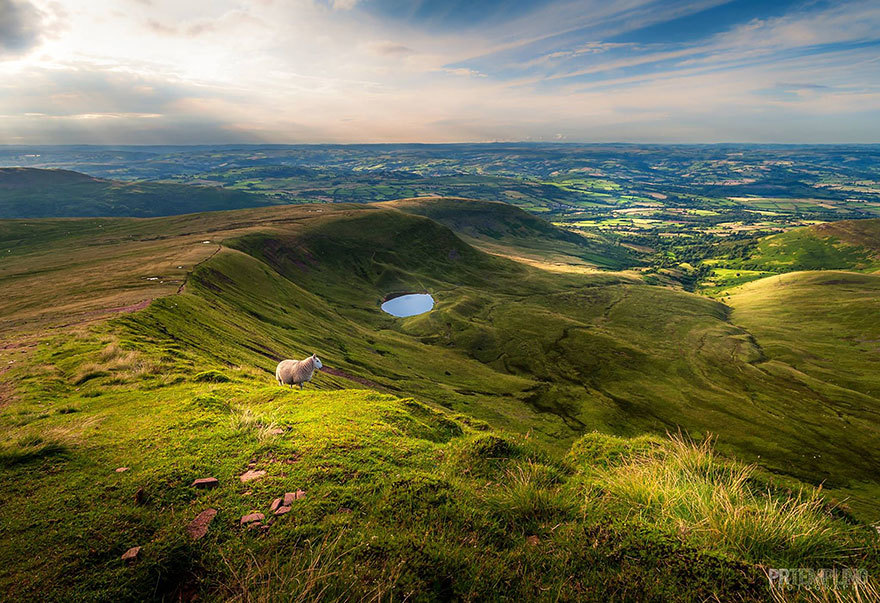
[36, 193]
[845, 245]
[154, 350]
[504, 229]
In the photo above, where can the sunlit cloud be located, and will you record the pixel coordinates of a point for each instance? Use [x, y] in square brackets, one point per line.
[203, 71]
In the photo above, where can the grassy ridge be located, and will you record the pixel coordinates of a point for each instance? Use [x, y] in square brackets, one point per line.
[598, 352]
[501, 228]
[519, 347]
[495, 478]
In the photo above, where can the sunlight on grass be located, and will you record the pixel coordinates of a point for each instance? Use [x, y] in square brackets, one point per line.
[687, 488]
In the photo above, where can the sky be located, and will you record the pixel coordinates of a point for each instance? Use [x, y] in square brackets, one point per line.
[346, 71]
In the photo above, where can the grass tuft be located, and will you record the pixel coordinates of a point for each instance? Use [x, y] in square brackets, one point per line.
[317, 570]
[29, 448]
[247, 422]
[685, 488]
[529, 494]
[211, 376]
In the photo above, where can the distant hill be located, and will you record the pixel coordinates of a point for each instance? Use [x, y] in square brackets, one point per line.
[844, 245]
[508, 230]
[38, 193]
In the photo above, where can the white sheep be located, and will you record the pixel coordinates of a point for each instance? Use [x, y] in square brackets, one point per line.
[297, 372]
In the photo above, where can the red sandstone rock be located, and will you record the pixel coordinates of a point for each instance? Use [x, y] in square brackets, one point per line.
[198, 527]
[251, 475]
[131, 554]
[206, 482]
[253, 518]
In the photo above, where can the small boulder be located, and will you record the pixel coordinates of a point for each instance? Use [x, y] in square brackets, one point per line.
[121, 469]
[282, 510]
[251, 475]
[198, 527]
[275, 504]
[131, 554]
[252, 518]
[206, 483]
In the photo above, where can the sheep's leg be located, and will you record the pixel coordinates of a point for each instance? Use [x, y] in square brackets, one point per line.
[300, 386]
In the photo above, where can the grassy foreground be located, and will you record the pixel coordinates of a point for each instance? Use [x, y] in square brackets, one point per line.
[401, 500]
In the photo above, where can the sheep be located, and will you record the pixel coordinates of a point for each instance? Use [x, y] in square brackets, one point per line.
[297, 372]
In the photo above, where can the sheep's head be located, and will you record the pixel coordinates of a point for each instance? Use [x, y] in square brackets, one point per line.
[318, 363]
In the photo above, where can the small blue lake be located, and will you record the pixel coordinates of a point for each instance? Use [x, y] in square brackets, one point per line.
[409, 305]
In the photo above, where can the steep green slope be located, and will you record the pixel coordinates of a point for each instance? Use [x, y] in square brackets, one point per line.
[522, 348]
[822, 323]
[35, 193]
[487, 480]
[821, 328]
[519, 347]
[508, 230]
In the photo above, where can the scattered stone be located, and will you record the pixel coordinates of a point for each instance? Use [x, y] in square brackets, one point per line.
[275, 504]
[251, 475]
[533, 540]
[282, 510]
[206, 482]
[276, 431]
[131, 554]
[198, 527]
[121, 469]
[253, 518]
[139, 496]
[289, 497]
[248, 493]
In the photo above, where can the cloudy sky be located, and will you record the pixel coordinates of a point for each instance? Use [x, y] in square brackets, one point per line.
[214, 71]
